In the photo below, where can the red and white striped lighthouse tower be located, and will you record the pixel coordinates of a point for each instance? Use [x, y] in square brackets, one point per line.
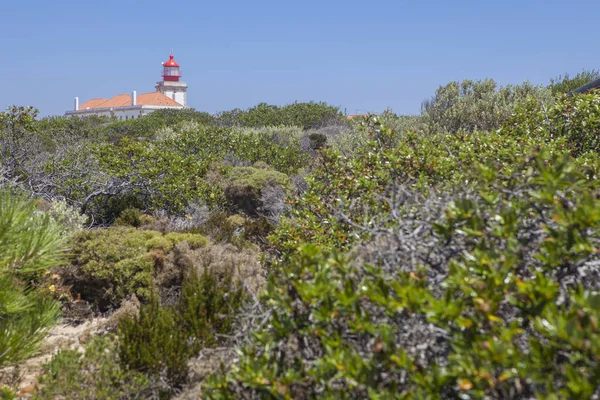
[170, 86]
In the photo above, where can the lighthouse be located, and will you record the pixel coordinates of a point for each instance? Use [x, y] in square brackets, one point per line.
[170, 94]
[170, 86]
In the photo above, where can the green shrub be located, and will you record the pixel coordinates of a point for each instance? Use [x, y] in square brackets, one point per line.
[29, 240]
[471, 106]
[219, 227]
[403, 124]
[282, 135]
[564, 83]
[161, 339]
[256, 177]
[171, 173]
[352, 185]
[154, 344]
[256, 230]
[30, 243]
[305, 115]
[66, 216]
[105, 210]
[573, 119]
[207, 306]
[317, 141]
[236, 220]
[7, 394]
[129, 217]
[491, 293]
[108, 265]
[159, 243]
[175, 117]
[96, 374]
[194, 240]
[17, 140]
[60, 129]
[246, 184]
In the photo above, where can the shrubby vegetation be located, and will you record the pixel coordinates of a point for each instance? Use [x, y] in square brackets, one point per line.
[110, 264]
[246, 186]
[571, 120]
[30, 244]
[160, 340]
[564, 84]
[481, 105]
[96, 374]
[304, 115]
[296, 254]
[472, 293]
[458, 280]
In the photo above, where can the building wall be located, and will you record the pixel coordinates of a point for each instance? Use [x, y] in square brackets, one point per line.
[174, 90]
[179, 96]
[121, 113]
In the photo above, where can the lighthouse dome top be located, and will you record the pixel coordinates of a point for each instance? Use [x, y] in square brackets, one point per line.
[171, 62]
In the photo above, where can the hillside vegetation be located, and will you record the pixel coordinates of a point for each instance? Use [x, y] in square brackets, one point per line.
[291, 253]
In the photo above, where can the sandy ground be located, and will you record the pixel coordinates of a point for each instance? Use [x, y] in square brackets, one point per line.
[23, 376]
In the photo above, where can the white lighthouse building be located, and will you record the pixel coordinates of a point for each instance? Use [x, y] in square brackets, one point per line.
[170, 94]
[170, 85]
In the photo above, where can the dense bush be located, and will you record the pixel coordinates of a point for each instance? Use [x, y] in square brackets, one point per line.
[65, 216]
[448, 255]
[96, 374]
[574, 119]
[305, 115]
[170, 173]
[565, 83]
[18, 141]
[174, 117]
[149, 126]
[154, 344]
[481, 105]
[282, 134]
[109, 264]
[158, 162]
[129, 217]
[160, 340]
[246, 185]
[403, 124]
[485, 294]
[353, 184]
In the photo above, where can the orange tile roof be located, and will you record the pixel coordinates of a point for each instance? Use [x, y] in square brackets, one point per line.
[156, 99]
[120, 100]
[93, 103]
[124, 100]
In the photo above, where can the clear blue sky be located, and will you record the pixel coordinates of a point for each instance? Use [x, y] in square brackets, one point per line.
[363, 56]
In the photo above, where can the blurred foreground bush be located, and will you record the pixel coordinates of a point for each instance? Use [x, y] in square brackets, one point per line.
[30, 244]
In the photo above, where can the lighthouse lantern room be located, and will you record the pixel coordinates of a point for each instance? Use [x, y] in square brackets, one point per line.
[170, 86]
[171, 71]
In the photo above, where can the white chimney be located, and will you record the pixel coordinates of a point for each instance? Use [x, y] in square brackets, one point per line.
[76, 103]
[134, 98]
